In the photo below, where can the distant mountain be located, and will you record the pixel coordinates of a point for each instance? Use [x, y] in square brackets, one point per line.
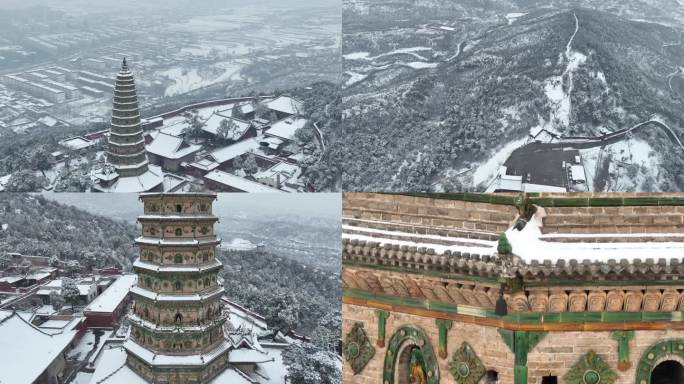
[493, 78]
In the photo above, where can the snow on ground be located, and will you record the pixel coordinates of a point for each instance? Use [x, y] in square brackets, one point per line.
[356, 55]
[82, 378]
[512, 17]
[354, 78]
[420, 65]
[489, 169]
[554, 87]
[185, 80]
[84, 346]
[625, 154]
[444, 27]
[366, 55]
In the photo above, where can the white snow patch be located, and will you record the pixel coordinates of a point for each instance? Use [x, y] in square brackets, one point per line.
[356, 55]
[354, 78]
[512, 17]
[489, 169]
[527, 243]
[420, 65]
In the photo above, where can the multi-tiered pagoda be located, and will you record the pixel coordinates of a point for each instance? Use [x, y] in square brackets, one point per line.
[177, 321]
[127, 168]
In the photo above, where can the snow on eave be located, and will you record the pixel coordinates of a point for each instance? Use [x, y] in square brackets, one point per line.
[373, 231]
[438, 249]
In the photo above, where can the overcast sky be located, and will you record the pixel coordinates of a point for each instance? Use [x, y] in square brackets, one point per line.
[126, 206]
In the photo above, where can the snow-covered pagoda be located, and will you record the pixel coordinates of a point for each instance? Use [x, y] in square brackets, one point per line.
[179, 331]
[127, 168]
[506, 288]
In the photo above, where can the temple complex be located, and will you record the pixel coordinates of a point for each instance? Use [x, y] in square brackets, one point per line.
[127, 168]
[179, 330]
[513, 288]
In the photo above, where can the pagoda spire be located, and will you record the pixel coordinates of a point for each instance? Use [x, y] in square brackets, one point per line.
[126, 145]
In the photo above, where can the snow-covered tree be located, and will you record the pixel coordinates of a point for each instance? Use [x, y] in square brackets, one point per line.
[56, 300]
[70, 291]
[54, 261]
[326, 335]
[73, 267]
[194, 128]
[226, 129]
[308, 364]
[283, 310]
[250, 165]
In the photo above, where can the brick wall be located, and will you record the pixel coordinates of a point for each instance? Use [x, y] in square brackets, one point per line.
[553, 356]
[645, 219]
[486, 342]
[444, 213]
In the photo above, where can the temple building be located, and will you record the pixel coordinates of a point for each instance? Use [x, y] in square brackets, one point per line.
[179, 330]
[127, 168]
[513, 288]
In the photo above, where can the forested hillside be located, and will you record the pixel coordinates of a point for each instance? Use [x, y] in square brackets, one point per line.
[291, 295]
[485, 82]
[322, 104]
[34, 225]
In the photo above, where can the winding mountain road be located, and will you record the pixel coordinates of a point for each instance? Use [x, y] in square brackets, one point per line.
[610, 138]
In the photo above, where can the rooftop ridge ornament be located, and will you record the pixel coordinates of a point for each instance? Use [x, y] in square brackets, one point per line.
[124, 66]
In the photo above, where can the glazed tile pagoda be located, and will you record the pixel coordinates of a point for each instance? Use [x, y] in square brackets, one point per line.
[127, 168]
[504, 288]
[177, 321]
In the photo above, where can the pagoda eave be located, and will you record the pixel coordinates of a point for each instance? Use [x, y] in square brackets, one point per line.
[157, 359]
[163, 297]
[177, 242]
[157, 268]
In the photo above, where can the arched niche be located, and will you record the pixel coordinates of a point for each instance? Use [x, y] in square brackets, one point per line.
[409, 352]
[662, 351]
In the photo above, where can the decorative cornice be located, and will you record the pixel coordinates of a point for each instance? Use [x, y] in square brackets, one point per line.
[568, 321]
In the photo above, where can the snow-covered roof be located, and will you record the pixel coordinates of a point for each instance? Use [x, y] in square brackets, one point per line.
[247, 108]
[232, 151]
[143, 183]
[11, 279]
[214, 122]
[175, 129]
[77, 143]
[272, 142]
[248, 355]
[205, 164]
[285, 104]
[26, 351]
[111, 368]
[285, 170]
[84, 288]
[171, 147]
[577, 172]
[286, 128]
[110, 299]
[237, 182]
